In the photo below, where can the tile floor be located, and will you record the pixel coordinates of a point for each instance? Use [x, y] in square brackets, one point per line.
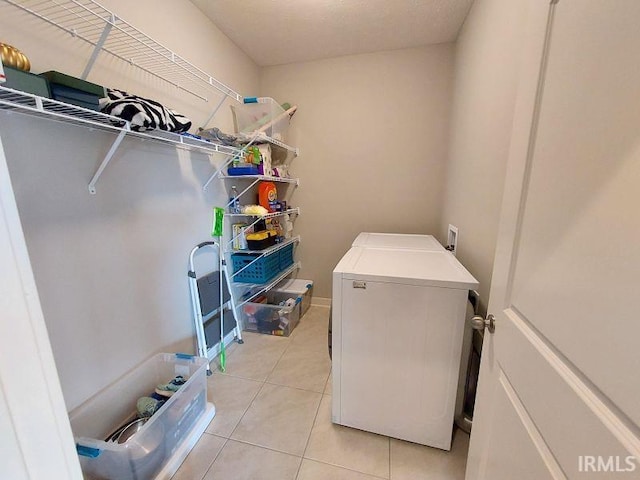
[273, 421]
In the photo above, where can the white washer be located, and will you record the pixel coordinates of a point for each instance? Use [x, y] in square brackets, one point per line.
[397, 240]
[398, 317]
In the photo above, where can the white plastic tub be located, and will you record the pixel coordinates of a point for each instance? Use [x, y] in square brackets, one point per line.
[149, 451]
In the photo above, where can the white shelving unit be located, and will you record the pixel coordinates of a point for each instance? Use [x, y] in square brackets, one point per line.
[251, 291]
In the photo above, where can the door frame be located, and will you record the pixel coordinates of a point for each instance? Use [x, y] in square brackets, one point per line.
[37, 437]
[531, 83]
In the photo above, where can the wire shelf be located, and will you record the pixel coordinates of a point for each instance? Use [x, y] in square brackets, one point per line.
[33, 105]
[186, 142]
[27, 103]
[91, 22]
[22, 102]
[266, 178]
[290, 211]
[261, 137]
[268, 250]
[266, 287]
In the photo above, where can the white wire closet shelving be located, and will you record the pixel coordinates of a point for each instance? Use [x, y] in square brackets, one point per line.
[263, 253]
[90, 22]
[257, 178]
[99, 27]
[273, 248]
[264, 138]
[289, 211]
[14, 101]
[255, 290]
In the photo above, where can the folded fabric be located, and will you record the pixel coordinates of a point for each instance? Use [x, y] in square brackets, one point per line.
[143, 114]
[218, 136]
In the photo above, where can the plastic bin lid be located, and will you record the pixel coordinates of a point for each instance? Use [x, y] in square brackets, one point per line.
[294, 285]
[405, 266]
[397, 240]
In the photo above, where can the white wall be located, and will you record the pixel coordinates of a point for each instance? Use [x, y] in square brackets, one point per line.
[372, 132]
[486, 67]
[111, 269]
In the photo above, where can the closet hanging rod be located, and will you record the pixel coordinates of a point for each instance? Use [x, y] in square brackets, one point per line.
[101, 28]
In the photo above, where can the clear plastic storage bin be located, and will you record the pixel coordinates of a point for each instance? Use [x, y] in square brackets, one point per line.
[270, 317]
[149, 450]
[264, 115]
[298, 287]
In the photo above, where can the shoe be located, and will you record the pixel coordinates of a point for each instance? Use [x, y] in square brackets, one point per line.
[168, 389]
[147, 406]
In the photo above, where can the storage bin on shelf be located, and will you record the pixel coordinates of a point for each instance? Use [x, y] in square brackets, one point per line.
[271, 317]
[75, 91]
[299, 288]
[26, 82]
[263, 269]
[261, 240]
[286, 256]
[263, 114]
[152, 447]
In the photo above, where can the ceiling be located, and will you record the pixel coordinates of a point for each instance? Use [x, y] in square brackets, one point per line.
[274, 32]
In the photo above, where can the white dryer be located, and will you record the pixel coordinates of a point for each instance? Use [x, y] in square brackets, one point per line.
[397, 240]
[398, 317]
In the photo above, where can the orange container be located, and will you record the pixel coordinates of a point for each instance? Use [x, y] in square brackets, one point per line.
[267, 195]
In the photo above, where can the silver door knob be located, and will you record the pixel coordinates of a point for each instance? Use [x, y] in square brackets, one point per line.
[480, 323]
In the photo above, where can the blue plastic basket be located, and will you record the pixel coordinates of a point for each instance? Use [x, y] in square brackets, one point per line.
[261, 271]
[286, 257]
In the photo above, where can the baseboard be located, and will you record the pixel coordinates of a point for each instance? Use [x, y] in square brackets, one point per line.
[321, 302]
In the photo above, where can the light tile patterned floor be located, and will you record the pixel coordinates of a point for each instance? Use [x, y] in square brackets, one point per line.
[273, 421]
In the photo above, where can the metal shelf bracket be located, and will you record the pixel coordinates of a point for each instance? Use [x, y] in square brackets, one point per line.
[114, 146]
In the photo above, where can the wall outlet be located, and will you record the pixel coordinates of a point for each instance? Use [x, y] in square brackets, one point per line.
[452, 239]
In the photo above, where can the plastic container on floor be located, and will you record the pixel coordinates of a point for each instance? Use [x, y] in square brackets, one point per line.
[298, 287]
[270, 317]
[148, 451]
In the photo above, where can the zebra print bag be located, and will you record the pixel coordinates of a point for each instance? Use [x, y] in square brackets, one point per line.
[143, 114]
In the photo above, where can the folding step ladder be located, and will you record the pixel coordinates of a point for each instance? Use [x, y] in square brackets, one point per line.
[211, 295]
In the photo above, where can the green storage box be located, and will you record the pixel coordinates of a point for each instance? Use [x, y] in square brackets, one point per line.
[73, 82]
[26, 82]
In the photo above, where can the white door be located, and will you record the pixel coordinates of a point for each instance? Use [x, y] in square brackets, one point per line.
[559, 389]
